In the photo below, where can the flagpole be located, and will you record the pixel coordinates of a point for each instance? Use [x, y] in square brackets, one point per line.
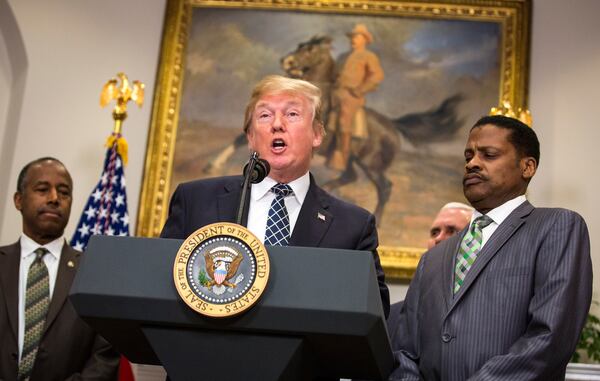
[105, 212]
[122, 92]
[119, 118]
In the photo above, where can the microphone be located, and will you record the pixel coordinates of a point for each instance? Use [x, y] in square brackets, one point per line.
[255, 171]
[259, 171]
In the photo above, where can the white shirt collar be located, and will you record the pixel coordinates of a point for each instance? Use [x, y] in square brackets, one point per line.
[499, 213]
[28, 246]
[299, 186]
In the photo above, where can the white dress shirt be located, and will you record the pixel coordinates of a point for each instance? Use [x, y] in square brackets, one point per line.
[52, 259]
[260, 203]
[498, 215]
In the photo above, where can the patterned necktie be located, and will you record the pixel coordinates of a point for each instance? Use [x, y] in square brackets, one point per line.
[469, 248]
[278, 223]
[37, 299]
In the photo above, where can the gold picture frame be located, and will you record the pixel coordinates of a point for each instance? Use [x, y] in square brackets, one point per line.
[510, 17]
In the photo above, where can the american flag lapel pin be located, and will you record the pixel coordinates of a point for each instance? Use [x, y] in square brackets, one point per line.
[321, 216]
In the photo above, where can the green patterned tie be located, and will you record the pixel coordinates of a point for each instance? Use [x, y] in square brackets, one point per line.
[37, 298]
[469, 248]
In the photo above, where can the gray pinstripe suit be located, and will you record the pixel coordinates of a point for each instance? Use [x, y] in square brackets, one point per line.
[517, 316]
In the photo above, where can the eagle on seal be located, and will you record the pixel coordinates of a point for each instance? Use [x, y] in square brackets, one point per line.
[222, 264]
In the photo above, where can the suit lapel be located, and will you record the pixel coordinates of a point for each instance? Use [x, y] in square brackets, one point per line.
[506, 229]
[451, 249]
[67, 267]
[314, 218]
[228, 203]
[10, 260]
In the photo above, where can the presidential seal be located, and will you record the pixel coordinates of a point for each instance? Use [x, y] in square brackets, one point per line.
[221, 270]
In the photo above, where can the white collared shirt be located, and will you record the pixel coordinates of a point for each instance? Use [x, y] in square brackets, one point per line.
[28, 246]
[260, 203]
[498, 215]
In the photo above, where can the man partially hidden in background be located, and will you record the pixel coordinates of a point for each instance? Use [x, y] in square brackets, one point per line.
[451, 219]
[41, 335]
[506, 299]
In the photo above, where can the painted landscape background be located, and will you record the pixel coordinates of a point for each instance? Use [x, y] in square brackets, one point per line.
[425, 62]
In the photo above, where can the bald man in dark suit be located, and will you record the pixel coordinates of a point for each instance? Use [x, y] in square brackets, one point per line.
[505, 299]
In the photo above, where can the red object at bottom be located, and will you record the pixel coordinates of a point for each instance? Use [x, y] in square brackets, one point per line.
[125, 372]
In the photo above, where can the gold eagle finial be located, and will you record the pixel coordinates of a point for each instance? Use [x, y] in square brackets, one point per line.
[122, 93]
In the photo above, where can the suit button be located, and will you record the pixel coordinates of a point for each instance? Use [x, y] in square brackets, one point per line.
[15, 355]
[446, 337]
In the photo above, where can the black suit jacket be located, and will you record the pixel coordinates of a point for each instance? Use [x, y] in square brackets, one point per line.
[345, 226]
[69, 348]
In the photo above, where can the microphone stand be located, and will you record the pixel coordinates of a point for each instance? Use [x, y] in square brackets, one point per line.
[247, 176]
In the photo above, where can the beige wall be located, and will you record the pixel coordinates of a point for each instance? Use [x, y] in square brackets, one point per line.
[564, 100]
[73, 47]
[13, 69]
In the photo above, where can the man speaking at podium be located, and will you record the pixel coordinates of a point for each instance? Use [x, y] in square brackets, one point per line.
[283, 125]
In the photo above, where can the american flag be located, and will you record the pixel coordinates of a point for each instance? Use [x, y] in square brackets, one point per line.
[105, 212]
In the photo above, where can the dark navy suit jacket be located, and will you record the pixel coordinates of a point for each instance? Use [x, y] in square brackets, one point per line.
[345, 226]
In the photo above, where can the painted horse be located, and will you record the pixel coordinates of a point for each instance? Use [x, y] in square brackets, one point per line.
[374, 154]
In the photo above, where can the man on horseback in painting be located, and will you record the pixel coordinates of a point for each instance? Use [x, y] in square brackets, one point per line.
[359, 74]
[382, 138]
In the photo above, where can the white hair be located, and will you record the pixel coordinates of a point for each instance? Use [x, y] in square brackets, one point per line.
[458, 205]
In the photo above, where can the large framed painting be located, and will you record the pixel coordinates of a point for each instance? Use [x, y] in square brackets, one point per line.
[444, 63]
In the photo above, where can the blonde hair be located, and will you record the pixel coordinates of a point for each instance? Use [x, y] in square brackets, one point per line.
[277, 84]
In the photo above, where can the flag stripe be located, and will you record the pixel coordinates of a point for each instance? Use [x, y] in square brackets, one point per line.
[105, 213]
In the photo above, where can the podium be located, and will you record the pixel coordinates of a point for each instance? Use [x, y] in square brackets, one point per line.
[319, 317]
